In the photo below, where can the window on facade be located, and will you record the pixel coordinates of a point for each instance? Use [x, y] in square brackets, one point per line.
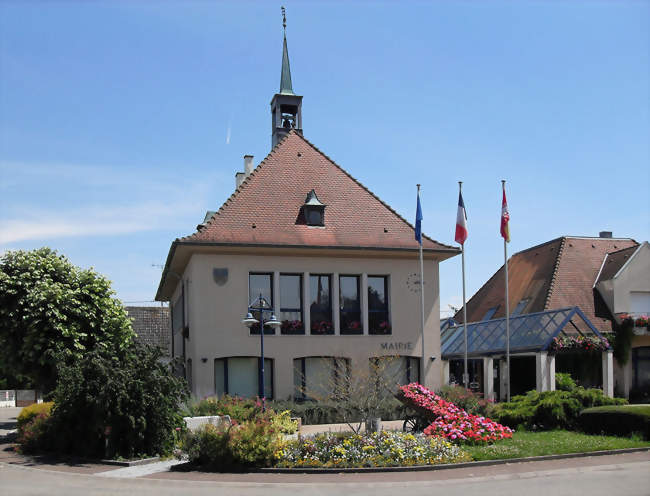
[240, 376]
[392, 371]
[320, 304]
[291, 304]
[261, 284]
[490, 313]
[378, 321]
[520, 307]
[350, 305]
[318, 378]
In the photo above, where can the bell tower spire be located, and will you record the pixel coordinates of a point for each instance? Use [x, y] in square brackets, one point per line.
[286, 106]
[285, 78]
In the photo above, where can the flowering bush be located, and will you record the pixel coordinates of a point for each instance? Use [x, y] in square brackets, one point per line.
[449, 421]
[377, 449]
[586, 343]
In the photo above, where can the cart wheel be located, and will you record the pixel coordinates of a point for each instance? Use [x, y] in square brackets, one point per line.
[410, 424]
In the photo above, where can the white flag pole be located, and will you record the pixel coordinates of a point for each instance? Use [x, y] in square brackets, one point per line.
[422, 381]
[505, 264]
[465, 372]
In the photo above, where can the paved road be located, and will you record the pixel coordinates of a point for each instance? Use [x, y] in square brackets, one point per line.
[8, 419]
[596, 476]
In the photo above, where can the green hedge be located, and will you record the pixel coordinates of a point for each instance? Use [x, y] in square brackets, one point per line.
[623, 420]
[331, 413]
[550, 409]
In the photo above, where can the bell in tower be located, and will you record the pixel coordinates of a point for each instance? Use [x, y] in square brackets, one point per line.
[286, 106]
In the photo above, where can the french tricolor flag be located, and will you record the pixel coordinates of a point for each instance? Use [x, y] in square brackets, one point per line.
[461, 221]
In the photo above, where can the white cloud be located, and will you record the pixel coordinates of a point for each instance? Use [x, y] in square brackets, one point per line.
[107, 201]
[94, 222]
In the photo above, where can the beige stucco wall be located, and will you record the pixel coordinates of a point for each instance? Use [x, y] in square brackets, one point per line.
[215, 314]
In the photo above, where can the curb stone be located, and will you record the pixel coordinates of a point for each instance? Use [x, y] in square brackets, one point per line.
[445, 466]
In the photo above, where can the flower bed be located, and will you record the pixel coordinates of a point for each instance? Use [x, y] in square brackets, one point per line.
[448, 421]
[377, 449]
[585, 343]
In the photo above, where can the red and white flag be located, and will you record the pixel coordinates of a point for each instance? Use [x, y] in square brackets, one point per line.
[505, 217]
[461, 221]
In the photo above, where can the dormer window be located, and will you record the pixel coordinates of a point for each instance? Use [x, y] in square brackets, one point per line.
[314, 210]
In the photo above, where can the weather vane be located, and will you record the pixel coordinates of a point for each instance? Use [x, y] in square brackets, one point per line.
[284, 18]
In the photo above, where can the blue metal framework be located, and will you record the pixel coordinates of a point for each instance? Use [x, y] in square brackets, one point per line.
[531, 332]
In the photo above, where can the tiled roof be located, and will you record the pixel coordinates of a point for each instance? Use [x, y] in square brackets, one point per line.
[152, 326]
[614, 261]
[556, 274]
[266, 208]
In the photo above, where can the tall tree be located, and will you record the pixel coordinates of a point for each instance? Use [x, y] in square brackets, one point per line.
[50, 307]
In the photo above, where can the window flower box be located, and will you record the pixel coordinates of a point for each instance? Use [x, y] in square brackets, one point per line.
[578, 343]
[321, 327]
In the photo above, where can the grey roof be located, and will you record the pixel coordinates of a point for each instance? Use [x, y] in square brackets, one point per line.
[152, 326]
[528, 333]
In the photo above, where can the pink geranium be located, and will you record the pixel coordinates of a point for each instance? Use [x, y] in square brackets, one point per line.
[449, 421]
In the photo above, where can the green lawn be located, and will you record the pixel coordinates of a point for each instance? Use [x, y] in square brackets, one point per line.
[524, 443]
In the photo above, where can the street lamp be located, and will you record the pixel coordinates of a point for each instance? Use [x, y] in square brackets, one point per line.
[261, 305]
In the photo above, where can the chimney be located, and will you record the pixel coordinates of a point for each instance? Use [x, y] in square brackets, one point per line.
[248, 164]
[605, 234]
[248, 168]
[239, 178]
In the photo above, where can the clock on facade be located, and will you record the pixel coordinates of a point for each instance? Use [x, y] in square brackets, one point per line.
[413, 282]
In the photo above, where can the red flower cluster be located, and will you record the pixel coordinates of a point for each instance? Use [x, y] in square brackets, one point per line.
[449, 421]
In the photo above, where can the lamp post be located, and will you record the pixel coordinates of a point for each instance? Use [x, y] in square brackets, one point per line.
[261, 305]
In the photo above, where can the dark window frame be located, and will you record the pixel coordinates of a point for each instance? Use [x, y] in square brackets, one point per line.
[300, 310]
[327, 330]
[270, 368]
[386, 310]
[351, 331]
[268, 330]
[338, 361]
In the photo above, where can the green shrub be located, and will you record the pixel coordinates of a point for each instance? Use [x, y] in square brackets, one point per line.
[550, 409]
[129, 400]
[564, 382]
[465, 399]
[616, 420]
[245, 445]
[28, 413]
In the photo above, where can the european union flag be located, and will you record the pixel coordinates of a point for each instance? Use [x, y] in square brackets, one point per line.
[418, 221]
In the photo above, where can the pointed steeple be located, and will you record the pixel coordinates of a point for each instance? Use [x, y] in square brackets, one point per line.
[285, 78]
[286, 106]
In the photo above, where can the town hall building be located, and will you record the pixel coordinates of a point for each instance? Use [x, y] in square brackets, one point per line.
[337, 267]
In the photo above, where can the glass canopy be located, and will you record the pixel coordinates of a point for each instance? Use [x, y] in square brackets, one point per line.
[531, 332]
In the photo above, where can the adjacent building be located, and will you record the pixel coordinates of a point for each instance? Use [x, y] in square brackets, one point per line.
[337, 265]
[569, 287]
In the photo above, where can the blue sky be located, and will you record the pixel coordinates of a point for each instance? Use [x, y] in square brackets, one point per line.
[122, 123]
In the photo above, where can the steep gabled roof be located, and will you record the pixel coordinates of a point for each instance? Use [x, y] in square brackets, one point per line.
[266, 208]
[557, 274]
